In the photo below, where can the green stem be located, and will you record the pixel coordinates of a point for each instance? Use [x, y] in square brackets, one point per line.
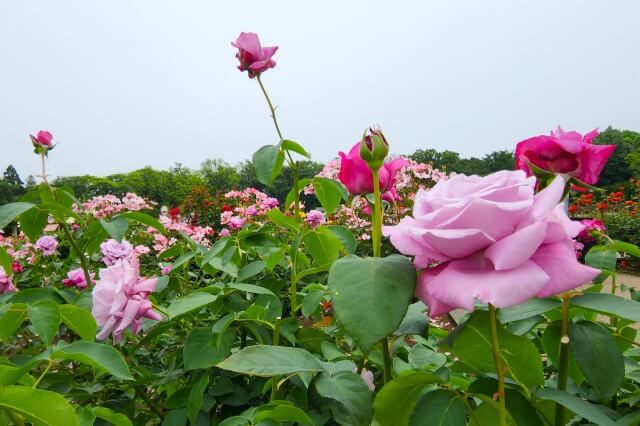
[65, 228]
[361, 364]
[497, 359]
[386, 357]
[46, 370]
[271, 108]
[376, 225]
[563, 368]
[274, 379]
[293, 289]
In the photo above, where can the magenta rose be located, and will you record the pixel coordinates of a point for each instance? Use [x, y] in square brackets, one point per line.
[253, 58]
[120, 300]
[47, 245]
[565, 152]
[76, 278]
[114, 251]
[43, 139]
[490, 239]
[6, 285]
[357, 177]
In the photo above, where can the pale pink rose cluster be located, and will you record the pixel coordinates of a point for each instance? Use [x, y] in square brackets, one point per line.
[19, 248]
[108, 205]
[121, 300]
[6, 285]
[490, 239]
[200, 234]
[251, 206]
[414, 174]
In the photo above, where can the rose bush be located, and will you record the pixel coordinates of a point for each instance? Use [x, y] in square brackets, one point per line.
[276, 314]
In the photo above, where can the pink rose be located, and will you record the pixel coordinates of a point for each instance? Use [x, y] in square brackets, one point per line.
[224, 232]
[591, 225]
[367, 377]
[356, 176]
[75, 278]
[252, 56]
[114, 251]
[565, 152]
[166, 270]
[43, 139]
[47, 245]
[237, 222]
[315, 218]
[6, 285]
[120, 300]
[491, 239]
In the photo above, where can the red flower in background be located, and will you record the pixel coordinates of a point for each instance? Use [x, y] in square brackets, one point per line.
[174, 212]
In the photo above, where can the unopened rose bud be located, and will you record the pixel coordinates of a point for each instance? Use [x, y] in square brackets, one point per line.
[374, 148]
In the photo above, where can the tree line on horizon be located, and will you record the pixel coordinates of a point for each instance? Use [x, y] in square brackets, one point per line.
[215, 176]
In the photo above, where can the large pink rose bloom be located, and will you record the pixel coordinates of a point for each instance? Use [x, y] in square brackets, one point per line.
[492, 239]
[43, 138]
[565, 152]
[357, 177]
[120, 299]
[252, 56]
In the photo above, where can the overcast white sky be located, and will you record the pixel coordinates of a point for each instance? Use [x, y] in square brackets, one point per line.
[123, 84]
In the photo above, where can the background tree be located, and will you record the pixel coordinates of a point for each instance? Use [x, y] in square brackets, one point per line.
[618, 168]
[219, 175]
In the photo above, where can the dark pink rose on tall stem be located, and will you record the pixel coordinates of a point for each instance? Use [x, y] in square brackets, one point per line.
[253, 58]
[565, 152]
[356, 175]
[43, 138]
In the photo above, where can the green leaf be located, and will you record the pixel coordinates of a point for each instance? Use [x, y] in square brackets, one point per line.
[79, 320]
[100, 356]
[191, 302]
[292, 146]
[628, 248]
[252, 269]
[85, 416]
[196, 395]
[311, 339]
[45, 317]
[590, 412]
[601, 258]
[311, 302]
[117, 419]
[530, 308]
[328, 192]
[415, 321]
[423, 357]
[345, 236]
[371, 295]
[32, 222]
[182, 259]
[397, 399]
[439, 407]
[145, 219]
[43, 408]
[116, 228]
[350, 391]
[323, 244]
[251, 288]
[599, 357]
[9, 212]
[204, 348]
[471, 342]
[268, 162]
[302, 183]
[284, 413]
[630, 419]
[551, 344]
[280, 219]
[11, 320]
[518, 406]
[609, 304]
[267, 361]
[488, 413]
